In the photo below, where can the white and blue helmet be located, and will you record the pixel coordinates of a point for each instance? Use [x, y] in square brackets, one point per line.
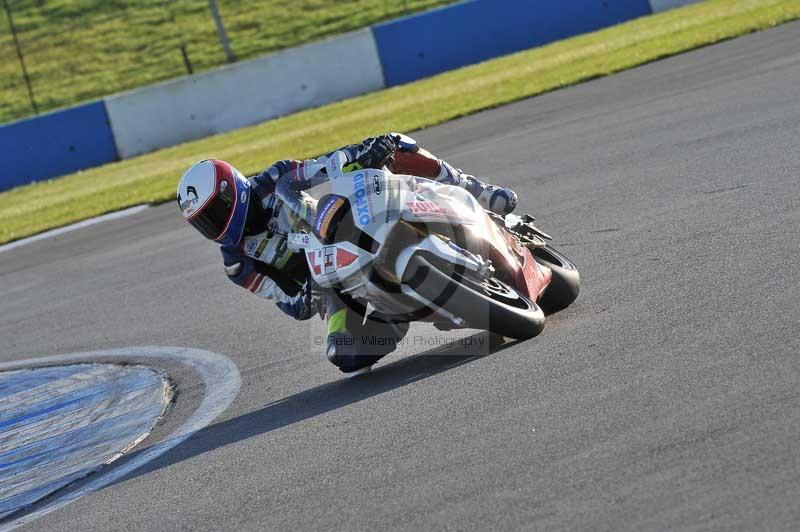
[214, 197]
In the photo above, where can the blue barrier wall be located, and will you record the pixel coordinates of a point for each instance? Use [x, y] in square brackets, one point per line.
[407, 49]
[429, 43]
[55, 144]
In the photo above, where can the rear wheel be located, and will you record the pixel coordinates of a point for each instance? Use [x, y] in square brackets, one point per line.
[566, 282]
[490, 305]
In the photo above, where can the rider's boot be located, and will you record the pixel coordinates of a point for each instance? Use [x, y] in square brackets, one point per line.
[355, 353]
[499, 200]
[345, 352]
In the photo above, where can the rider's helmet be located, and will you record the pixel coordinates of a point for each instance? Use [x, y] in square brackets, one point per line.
[214, 197]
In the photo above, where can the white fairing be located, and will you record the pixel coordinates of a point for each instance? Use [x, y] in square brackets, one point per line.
[379, 200]
[435, 246]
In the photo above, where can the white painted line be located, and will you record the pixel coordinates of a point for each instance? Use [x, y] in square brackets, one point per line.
[73, 227]
[221, 381]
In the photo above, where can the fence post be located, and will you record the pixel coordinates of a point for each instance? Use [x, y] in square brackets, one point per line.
[223, 35]
[186, 62]
[21, 57]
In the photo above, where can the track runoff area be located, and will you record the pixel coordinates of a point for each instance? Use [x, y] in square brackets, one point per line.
[664, 398]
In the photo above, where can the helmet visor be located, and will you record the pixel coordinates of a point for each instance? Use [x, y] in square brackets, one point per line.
[213, 218]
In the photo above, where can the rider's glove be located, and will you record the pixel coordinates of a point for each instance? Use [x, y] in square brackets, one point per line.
[309, 302]
[377, 152]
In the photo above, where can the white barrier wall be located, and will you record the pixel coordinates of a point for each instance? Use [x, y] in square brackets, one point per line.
[664, 5]
[244, 93]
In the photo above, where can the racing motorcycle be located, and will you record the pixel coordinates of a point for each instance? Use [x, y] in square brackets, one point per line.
[400, 248]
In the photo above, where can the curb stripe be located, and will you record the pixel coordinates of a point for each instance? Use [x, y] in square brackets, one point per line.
[221, 381]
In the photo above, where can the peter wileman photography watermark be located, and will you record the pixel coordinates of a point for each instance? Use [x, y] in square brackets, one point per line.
[476, 342]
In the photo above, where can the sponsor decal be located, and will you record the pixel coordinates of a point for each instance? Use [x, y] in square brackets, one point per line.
[330, 167]
[376, 185]
[312, 261]
[389, 213]
[425, 208]
[344, 258]
[323, 260]
[274, 223]
[251, 246]
[298, 241]
[327, 260]
[261, 247]
[282, 247]
[243, 197]
[363, 208]
[322, 224]
[461, 250]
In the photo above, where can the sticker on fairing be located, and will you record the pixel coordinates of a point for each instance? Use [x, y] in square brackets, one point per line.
[327, 260]
[322, 225]
[323, 260]
[425, 208]
[331, 168]
[362, 201]
[261, 247]
[298, 241]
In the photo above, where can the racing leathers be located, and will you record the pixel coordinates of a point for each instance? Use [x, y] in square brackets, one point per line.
[263, 264]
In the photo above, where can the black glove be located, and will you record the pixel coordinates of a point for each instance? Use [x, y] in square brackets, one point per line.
[377, 152]
[310, 302]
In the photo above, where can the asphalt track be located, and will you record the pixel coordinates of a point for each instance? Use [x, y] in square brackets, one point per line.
[666, 397]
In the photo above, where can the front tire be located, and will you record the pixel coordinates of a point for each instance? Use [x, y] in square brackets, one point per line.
[492, 306]
[566, 282]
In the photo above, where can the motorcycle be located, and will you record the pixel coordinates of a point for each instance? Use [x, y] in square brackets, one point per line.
[400, 248]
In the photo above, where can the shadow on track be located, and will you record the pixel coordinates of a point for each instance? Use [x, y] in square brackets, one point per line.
[323, 399]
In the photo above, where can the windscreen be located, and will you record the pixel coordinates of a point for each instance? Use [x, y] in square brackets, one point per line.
[300, 194]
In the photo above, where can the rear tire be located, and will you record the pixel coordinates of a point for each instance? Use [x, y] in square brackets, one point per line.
[566, 282]
[492, 306]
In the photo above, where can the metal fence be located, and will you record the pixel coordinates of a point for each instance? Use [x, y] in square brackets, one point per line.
[58, 52]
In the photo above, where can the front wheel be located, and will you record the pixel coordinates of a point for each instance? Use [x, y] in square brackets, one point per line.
[489, 305]
[566, 282]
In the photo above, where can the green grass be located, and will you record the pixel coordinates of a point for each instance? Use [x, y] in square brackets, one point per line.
[152, 178]
[83, 49]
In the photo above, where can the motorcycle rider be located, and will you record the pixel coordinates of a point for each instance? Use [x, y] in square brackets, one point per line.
[243, 215]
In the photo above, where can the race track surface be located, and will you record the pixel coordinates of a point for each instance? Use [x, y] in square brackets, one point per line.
[666, 397]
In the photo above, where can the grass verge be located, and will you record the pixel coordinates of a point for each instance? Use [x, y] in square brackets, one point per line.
[77, 50]
[152, 178]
